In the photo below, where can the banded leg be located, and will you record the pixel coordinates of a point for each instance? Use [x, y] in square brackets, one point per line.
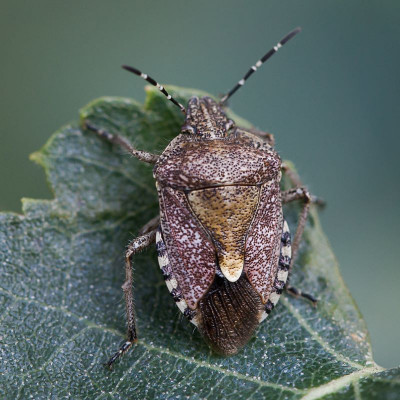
[122, 142]
[134, 247]
[291, 195]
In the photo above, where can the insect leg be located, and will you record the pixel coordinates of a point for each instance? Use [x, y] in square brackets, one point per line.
[121, 141]
[297, 183]
[151, 225]
[134, 247]
[298, 194]
[292, 175]
[290, 195]
[298, 293]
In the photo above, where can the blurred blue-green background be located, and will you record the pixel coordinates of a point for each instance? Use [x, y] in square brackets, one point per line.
[331, 97]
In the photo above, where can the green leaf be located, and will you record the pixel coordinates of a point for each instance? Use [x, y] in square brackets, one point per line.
[62, 310]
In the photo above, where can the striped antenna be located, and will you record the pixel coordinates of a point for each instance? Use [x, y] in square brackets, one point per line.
[260, 62]
[156, 84]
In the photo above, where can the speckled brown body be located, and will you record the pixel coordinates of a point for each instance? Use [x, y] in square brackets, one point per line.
[221, 225]
[223, 245]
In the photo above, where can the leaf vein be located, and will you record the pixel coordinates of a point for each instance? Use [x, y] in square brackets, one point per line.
[337, 384]
[216, 368]
[54, 354]
[317, 337]
[126, 373]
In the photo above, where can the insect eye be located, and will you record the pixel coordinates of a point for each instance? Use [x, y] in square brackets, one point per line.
[189, 129]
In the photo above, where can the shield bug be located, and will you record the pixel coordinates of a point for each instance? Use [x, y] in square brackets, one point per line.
[224, 247]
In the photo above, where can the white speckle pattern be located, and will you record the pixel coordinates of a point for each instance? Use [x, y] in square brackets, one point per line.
[263, 316]
[282, 275]
[263, 241]
[283, 272]
[190, 251]
[286, 251]
[274, 298]
[182, 306]
[171, 283]
[163, 261]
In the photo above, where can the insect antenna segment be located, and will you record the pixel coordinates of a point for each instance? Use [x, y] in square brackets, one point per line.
[156, 84]
[260, 62]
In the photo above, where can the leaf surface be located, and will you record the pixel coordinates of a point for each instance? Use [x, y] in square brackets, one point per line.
[62, 311]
